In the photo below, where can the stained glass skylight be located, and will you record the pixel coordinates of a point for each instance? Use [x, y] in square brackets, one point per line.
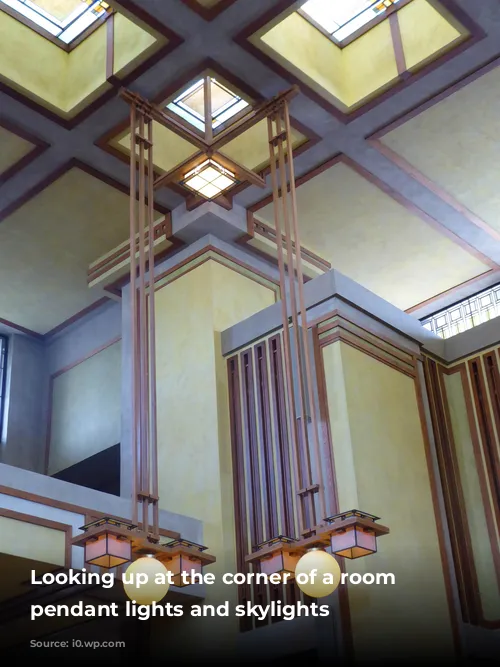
[64, 19]
[466, 314]
[190, 105]
[342, 18]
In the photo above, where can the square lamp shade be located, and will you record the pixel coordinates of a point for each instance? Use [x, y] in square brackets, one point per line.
[354, 534]
[278, 556]
[182, 557]
[209, 179]
[107, 543]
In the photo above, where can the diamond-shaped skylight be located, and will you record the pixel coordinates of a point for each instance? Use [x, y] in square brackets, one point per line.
[342, 18]
[64, 19]
[190, 104]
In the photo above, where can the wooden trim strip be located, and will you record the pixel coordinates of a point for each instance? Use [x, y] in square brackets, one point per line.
[383, 343]
[53, 376]
[251, 450]
[241, 524]
[397, 43]
[428, 183]
[468, 587]
[492, 275]
[260, 228]
[266, 442]
[481, 472]
[86, 357]
[46, 523]
[209, 251]
[438, 97]
[110, 52]
[445, 561]
[281, 430]
[74, 318]
[39, 147]
[388, 190]
[486, 432]
[243, 39]
[174, 40]
[358, 344]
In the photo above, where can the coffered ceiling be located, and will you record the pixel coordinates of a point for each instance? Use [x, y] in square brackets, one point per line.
[396, 183]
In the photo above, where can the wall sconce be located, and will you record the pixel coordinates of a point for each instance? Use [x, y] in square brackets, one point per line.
[209, 179]
[353, 534]
[184, 557]
[278, 556]
[107, 542]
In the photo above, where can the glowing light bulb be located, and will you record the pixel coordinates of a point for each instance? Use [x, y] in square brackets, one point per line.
[146, 592]
[311, 570]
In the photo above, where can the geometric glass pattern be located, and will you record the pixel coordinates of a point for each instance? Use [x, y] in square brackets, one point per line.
[342, 18]
[209, 179]
[3, 379]
[190, 105]
[466, 314]
[65, 19]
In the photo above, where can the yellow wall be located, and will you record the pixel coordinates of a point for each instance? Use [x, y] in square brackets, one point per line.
[381, 469]
[86, 409]
[65, 81]
[193, 422]
[131, 41]
[436, 33]
[27, 540]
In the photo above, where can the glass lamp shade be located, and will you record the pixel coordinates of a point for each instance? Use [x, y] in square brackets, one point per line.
[154, 589]
[182, 557]
[317, 574]
[108, 551]
[354, 542]
[181, 564]
[354, 534]
[278, 556]
[281, 562]
[209, 179]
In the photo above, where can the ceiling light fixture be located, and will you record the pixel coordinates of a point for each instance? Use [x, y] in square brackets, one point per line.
[209, 179]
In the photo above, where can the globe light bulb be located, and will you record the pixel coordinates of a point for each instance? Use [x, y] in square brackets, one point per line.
[311, 570]
[150, 591]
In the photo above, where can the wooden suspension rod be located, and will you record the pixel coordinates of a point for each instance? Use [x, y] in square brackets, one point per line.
[142, 230]
[290, 393]
[133, 313]
[304, 456]
[303, 311]
[153, 436]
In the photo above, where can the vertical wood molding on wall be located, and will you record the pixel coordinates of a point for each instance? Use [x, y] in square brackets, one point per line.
[458, 521]
[53, 377]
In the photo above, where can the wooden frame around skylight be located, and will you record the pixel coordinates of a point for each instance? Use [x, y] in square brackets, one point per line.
[68, 47]
[362, 30]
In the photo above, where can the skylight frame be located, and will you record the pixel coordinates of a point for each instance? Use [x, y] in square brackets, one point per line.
[221, 119]
[9, 7]
[465, 314]
[362, 30]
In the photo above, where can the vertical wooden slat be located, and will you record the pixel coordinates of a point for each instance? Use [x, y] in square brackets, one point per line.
[285, 485]
[251, 452]
[241, 522]
[485, 422]
[453, 496]
[266, 443]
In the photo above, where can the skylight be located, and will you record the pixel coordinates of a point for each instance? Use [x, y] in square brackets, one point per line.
[466, 314]
[64, 19]
[190, 105]
[342, 18]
